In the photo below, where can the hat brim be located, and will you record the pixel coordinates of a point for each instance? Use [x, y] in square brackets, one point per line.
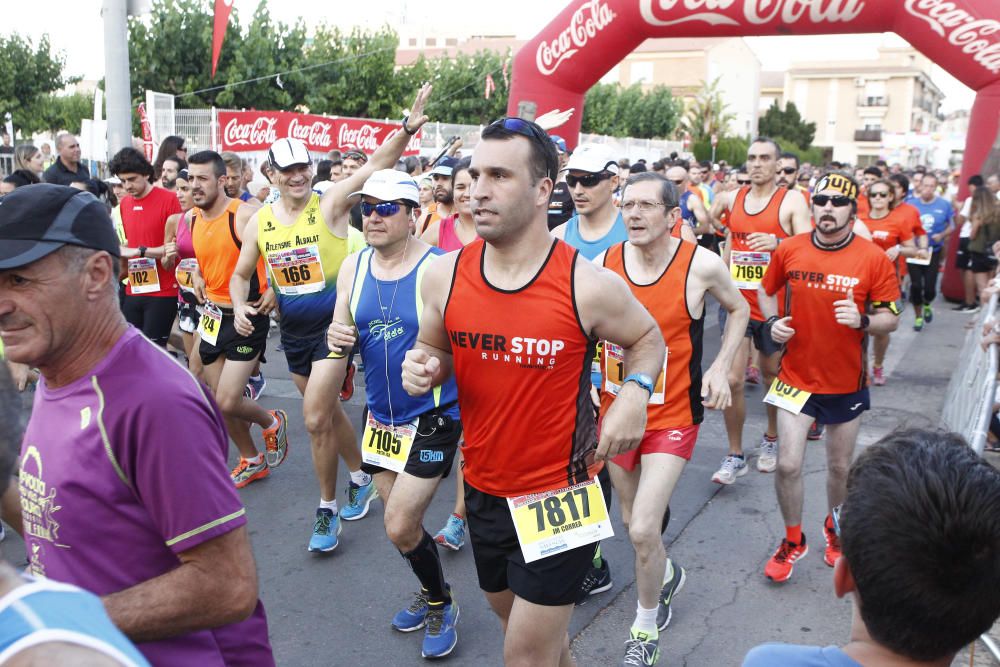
[17, 253]
[442, 171]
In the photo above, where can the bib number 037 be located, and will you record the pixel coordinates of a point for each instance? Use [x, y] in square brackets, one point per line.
[786, 396]
[555, 521]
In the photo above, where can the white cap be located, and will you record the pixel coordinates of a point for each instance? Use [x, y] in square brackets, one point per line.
[114, 180]
[321, 186]
[390, 185]
[285, 153]
[445, 166]
[593, 158]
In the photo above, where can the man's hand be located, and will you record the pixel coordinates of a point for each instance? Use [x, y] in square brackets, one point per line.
[761, 242]
[417, 117]
[782, 331]
[418, 372]
[340, 337]
[892, 253]
[198, 285]
[553, 119]
[170, 251]
[846, 311]
[241, 319]
[715, 391]
[266, 303]
[625, 422]
[937, 237]
[595, 397]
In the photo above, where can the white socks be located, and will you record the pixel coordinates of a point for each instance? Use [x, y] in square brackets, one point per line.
[645, 620]
[361, 478]
[328, 504]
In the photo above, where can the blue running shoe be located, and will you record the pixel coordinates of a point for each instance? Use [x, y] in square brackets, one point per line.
[452, 536]
[255, 386]
[325, 531]
[358, 500]
[413, 617]
[440, 636]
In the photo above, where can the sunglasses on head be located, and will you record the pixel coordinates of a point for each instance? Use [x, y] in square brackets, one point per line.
[836, 200]
[588, 181]
[384, 209]
[524, 128]
[879, 194]
[357, 156]
[789, 170]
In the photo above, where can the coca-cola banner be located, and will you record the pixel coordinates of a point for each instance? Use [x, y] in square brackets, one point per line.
[243, 131]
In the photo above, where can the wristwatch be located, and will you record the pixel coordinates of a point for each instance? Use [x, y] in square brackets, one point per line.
[406, 127]
[865, 321]
[642, 380]
[142, 251]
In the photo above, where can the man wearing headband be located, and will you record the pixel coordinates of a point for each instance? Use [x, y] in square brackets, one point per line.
[830, 275]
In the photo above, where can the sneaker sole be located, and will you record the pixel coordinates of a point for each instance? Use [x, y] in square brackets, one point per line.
[269, 455]
[768, 468]
[364, 512]
[790, 570]
[739, 473]
[448, 545]
[413, 629]
[458, 613]
[600, 589]
[253, 478]
[670, 609]
[311, 549]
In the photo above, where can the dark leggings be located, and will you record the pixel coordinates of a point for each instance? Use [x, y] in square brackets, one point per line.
[923, 280]
[153, 315]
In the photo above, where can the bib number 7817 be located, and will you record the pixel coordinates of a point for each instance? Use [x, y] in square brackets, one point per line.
[555, 521]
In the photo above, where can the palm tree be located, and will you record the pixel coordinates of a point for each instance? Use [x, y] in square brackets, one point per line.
[707, 113]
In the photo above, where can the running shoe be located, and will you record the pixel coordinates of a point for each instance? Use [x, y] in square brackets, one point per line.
[815, 431]
[326, 530]
[246, 472]
[752, 375]
[832, 552]
[347, 389]
[767, 458]
[276, 439]
[413, 617]
[358, 500]
[918, 324]
[779, 567]
[255, 386]
[878, 376]
[671, 587]
[732, 467]
[928, 314]
[440, 636]
[598, 580]
[971, 308]
[641, 649]
[452, 536]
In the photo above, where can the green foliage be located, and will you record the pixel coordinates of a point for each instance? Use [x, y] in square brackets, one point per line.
[629, 112]
[55, 113]
[812, 155]
[460, 87]
[28, 76]
[787, 123]
[707, 114]
[731, 149]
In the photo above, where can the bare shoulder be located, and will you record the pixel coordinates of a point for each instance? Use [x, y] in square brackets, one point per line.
[706, 264]
[61, 653]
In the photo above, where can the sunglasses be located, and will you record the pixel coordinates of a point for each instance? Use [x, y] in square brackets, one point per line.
[879, 195]
[384, 209]
[588, 181]
[356, 156]
[524, 128]
[836, 200]
[789, 170]
[742, 182]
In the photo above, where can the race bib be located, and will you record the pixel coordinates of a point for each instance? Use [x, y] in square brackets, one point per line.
[552, 522]
[386, 446]
[142, 275]
[210, 324]
[184, 273]
[297, 270]
[614, 373]
[748, 268]
[786, 397]
[926, 261]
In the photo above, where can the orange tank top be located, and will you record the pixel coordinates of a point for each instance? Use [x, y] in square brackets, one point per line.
[522, 366]
[676, 400]
[742, 224]
[217, 248]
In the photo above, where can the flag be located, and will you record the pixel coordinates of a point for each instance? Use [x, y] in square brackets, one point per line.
[490, 86]
[147, 132]
[506, 63]
[222, 10]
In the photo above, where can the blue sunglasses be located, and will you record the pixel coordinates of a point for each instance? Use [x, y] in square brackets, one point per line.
[384, 209]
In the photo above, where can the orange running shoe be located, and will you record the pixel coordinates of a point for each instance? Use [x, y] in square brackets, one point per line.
[779, 568]
[276, 439]
[246, 472]
[347, 390]
[832, 552]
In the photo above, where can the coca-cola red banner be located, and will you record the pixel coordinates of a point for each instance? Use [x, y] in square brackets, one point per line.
[243, 131]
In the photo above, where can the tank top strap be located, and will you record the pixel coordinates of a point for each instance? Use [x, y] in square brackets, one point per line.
[361, 270]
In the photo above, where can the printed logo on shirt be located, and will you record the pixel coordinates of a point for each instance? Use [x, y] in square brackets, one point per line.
[379, 329]
[38, 507]
[826, 281]
[244, 349]
[540, 353]
[312, 217]
[268, 226]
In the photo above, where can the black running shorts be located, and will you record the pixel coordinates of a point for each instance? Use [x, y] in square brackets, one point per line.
[761, 340]
[234, 346]
[434, 448]
[551, 581]
[837, 408]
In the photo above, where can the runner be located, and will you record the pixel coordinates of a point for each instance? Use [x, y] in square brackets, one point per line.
[670, 278]
[937, 218]
[458, 229]
[890, 232]
[228, 357]
[304, 239]
[830, 275]
[511, 307]
[753, 237]
[694, 217]
[592, 177]
[409, 443]
[150, 302]
[185, 266]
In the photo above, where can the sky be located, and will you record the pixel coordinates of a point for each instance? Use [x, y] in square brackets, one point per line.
[522, 18]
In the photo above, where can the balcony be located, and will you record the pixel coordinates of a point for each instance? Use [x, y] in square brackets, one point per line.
[873, 100]
[868, 135]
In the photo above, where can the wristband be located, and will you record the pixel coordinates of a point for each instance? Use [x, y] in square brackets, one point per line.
[407, 129]
[142, 251]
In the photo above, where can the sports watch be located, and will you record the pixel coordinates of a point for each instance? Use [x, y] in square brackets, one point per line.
[642, 380]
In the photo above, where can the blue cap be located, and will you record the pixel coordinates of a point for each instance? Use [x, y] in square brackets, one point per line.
[560, 143]
[444, 166]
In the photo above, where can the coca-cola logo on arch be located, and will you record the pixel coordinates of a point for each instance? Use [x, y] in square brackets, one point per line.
[244, 131]
[587, 21]
[753, 12]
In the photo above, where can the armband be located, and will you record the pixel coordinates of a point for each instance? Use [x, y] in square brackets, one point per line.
[891, 305]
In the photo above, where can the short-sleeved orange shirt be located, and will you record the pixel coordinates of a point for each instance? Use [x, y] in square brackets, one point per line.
[890, 230]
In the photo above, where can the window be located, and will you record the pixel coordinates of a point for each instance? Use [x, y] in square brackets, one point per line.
[451, 41]
[413, 41]
[431, 41]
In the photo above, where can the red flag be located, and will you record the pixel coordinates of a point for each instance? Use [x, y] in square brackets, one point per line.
[490, 86]
[506, 63]
[222, 10]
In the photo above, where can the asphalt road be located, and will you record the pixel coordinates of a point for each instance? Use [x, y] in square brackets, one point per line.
[335, 609]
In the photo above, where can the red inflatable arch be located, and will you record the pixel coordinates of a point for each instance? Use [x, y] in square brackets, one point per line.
[556, 68]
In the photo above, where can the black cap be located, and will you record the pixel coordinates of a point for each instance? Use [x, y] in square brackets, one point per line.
[37, 220]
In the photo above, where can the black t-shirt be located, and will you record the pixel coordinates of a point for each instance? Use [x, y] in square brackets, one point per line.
[561, 206]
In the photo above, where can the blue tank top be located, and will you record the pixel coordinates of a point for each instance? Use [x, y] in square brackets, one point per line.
[46, 611]
[387, 314]
[591, 249]
[686, 214]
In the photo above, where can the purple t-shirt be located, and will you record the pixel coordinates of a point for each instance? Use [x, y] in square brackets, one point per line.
[121, 471]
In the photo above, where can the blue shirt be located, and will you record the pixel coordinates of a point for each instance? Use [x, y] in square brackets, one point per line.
[591, 249]
[790, 655]
[935, 216]
[387, 314]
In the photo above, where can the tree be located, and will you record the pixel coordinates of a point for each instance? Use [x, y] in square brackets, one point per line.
[629, 112]
[731, 149]
[788, 124]
[55, 113]
[29, 74]
[707, 114]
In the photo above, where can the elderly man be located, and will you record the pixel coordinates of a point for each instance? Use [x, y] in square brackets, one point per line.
[124, 487]
[67, 167]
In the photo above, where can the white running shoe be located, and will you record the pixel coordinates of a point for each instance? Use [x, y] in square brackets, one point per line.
[767, 459]
[731, 468]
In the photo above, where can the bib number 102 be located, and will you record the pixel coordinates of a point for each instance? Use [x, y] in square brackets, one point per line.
[551, 512]
[385, 442]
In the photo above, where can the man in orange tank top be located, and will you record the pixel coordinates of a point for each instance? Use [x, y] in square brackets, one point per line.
[516, 316]
[670, 278]
[760, 216]
[830, 276]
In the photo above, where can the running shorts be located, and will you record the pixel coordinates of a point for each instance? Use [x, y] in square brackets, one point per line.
[434, 447]
[234, 346]
[677, 441]
[761, 340]
[837, 408]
